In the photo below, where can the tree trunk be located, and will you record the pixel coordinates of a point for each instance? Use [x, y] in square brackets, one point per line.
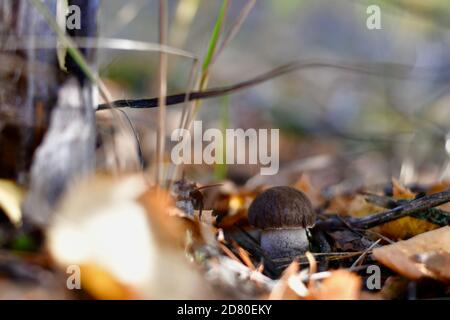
[50, 103]
[29, 85]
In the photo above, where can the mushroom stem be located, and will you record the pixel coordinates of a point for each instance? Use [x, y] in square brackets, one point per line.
[282, 243]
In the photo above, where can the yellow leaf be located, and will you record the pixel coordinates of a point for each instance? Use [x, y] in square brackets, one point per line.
[405, 228]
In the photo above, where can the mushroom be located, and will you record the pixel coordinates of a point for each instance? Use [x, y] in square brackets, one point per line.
[284, 214]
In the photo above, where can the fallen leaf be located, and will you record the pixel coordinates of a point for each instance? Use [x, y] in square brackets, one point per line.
[439, 187]
[232, 208]
[394, 287]
[439, 264]
[405, 228]
[404, 256]
[346, 240]
[121, 229]
[355, 206]
[400, 191]
[360, 207]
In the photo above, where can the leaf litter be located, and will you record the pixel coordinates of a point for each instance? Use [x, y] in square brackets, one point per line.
[131, 241]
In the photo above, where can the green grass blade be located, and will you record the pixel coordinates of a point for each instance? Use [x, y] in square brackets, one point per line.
[215, 36]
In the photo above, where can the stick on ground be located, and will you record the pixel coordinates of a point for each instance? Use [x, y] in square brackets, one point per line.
[409, 208]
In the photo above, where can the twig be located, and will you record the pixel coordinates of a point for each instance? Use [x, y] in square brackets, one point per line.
[433, 215]
[408, 208]
[380, 201]
[393, 70]
[302, 261]
[243, 254]
[319, 254]
[364, 254]
[229, 253]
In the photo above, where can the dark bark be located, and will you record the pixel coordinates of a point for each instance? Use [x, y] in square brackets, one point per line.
[393, 70]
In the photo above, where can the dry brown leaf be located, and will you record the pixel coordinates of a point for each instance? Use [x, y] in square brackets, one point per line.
[235, 208]
[401, 192]
[404, 256]
[439, 187]
[339, 204]
[355, 206]
[341, 285]
[394, 287]
[360, 207]
[171, 228]
[100, 222]
[347, 240]
[439, 264]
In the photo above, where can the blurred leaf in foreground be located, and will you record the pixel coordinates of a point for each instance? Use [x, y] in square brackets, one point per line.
[11, 196]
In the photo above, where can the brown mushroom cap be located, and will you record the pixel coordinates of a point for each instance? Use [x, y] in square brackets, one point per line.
[281, 207]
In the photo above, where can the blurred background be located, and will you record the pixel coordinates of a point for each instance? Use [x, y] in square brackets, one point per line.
[344, 128]
[374, 106]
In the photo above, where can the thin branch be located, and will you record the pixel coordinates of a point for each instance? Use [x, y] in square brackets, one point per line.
[383, 69]
[409, 208]
[363, 255]
[433, 215]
